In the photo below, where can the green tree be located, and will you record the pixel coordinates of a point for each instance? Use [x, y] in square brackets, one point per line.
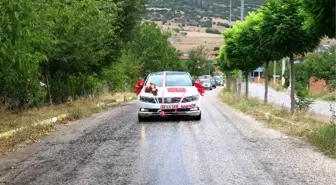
[282, 32]
[320, 17]
[63, 44]
[198, 63]
[149, 51]
[240, 43]
[224, 65]
[19, 80]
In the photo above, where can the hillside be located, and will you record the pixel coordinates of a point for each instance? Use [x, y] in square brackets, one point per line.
[196, 22]
[197, 12]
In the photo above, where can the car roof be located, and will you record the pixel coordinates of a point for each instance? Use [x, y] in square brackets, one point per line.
[170, 72]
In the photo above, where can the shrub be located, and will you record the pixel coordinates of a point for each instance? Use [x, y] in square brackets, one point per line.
[213, 31]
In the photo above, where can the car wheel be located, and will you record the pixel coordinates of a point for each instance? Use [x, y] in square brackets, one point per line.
[210, 89]
[141, 119]
[197, 118]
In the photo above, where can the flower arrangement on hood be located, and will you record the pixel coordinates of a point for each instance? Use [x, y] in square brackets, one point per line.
[151, 89]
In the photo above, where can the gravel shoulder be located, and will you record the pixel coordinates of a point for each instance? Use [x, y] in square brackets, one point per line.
[225, 147]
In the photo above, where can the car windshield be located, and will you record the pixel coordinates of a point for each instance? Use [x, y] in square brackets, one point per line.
[205, 80]
[173, 79]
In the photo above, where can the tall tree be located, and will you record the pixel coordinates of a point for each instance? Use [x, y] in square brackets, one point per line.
[198, 62]
[19, 82]
[148, 51]
[282, 31]
[240, 46]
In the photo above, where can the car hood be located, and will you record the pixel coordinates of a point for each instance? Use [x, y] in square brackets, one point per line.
[167, 92]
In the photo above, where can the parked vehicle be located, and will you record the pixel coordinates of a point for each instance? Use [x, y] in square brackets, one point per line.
[206, 83]
[219, 81]
[212, 80]
[170, 93]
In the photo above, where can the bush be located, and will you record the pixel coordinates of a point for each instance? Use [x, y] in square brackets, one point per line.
[206, 24]
[226, 25]
[302, 102]
[213, 31]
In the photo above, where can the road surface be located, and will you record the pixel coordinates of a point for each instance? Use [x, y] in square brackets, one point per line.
[283, 99]
[224, 148]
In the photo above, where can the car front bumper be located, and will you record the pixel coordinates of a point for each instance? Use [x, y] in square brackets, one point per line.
[152, 109]
[152, 113]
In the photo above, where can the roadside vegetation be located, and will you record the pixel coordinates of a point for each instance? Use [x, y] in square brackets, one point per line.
[283, 29]
[309, 127]
[277, 87]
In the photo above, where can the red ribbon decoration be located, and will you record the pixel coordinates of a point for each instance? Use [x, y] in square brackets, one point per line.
[138, 86]
[200, 88]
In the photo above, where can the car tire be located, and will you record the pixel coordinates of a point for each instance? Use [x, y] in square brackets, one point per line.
[210, 89]
[198, 118]
[141, 119]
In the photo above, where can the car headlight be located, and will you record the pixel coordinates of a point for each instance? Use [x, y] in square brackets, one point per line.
[146, 99]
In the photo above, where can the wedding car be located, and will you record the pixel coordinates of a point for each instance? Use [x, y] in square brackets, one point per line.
[171, 93]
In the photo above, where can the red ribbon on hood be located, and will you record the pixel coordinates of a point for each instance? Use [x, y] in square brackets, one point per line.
[200, 88]
[138, 86]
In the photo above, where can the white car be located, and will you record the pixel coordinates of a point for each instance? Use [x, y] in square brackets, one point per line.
[177, 97]
[206, 83]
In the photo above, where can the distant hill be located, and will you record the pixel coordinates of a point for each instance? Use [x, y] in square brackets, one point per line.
[197, 11]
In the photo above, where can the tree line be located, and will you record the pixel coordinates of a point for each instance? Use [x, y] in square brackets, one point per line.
[280, 28]
[54, 51]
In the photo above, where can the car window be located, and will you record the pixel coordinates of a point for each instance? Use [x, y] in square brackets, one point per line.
[205, 80]
[173, 79]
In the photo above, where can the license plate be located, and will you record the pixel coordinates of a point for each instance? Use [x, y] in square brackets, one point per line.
[165, 107]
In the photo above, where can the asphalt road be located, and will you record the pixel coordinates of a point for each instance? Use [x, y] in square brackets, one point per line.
[225, 147]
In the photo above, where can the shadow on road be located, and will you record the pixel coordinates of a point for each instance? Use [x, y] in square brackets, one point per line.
[172, 119]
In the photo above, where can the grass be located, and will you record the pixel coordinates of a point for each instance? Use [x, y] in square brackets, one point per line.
[317, 132]
[326, 96]
[74, 110]
[277, 87]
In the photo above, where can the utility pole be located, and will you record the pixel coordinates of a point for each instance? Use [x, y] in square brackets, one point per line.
[274, 72]
[230, 13]
[283, 71]
[240, 72]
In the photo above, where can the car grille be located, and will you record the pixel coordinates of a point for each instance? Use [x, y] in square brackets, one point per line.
[172, 100]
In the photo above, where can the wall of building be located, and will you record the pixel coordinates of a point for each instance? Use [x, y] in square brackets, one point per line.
[317, 86]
